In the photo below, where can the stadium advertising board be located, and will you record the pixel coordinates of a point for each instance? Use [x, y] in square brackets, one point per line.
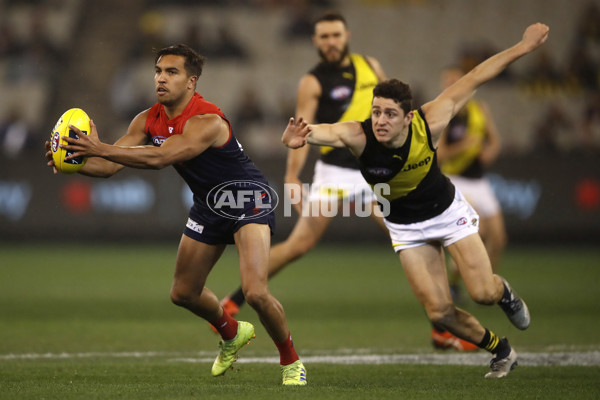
[554, 199]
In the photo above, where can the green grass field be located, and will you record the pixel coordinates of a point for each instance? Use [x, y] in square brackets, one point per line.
[95, 322]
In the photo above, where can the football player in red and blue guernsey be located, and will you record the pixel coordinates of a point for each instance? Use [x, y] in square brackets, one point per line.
[191, 134]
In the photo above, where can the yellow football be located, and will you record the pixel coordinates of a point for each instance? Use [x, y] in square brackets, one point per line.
[76, 117]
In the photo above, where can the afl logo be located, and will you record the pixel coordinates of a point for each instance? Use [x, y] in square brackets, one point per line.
[158, 140]
[340, 92]
[242, 199]
[461, 221]
[55, 141]
[379, 171]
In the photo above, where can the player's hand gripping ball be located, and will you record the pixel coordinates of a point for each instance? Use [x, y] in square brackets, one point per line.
[76, 117]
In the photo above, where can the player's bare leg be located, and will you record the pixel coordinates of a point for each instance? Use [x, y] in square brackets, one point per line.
[426, 273]
[194, 262]
[475, 268]
[493, 233]
[253, 242]
[306, 234]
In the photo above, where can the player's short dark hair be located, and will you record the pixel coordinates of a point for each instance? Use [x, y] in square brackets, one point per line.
[330, 16]
[397, 91]
[193, 60]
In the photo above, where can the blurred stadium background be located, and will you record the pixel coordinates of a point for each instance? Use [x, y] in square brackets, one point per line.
[96, 55]
[93, 320]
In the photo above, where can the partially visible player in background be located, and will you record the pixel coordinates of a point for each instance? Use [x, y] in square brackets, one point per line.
[338, 88]
[468, 146]
[184, 130]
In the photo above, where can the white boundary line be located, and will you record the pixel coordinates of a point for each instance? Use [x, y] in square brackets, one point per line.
[590, 358]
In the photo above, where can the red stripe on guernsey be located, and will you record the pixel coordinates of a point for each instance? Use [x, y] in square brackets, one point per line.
[228, 139]
[159, 126]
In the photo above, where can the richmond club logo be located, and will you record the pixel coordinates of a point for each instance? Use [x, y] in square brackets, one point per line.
[242, 199]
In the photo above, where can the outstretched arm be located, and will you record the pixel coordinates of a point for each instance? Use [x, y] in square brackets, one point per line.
[341, 134]
[439, 111]
[135, 136]
[199, 133]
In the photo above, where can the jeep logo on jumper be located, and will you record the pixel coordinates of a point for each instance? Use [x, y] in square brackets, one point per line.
[242, 199]
[421, 163]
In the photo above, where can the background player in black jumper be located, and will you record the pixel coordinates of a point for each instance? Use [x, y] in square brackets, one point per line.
[338, 88]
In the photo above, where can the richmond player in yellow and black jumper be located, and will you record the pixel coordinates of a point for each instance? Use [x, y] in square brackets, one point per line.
[338, 88]
[396, 149]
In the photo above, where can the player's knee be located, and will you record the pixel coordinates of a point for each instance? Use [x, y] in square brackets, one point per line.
[442, 314]
[483, 295]
[182, 296]
[257, 299]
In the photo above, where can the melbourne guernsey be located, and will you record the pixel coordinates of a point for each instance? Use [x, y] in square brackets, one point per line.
[212, 167]
[418, 189]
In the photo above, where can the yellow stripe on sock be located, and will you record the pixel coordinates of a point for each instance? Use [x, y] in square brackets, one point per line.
[493, 343]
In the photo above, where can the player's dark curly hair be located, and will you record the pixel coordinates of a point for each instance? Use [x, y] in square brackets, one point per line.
[397, 91]
[193, 60]
[330, 16]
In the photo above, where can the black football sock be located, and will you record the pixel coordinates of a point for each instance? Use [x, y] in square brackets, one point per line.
[494, 344]
[238, 297]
